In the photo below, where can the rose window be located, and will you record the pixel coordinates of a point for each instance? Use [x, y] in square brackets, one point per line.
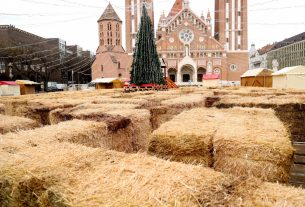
[186, 36]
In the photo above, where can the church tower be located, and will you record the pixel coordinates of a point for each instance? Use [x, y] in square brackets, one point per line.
[133, 13]
[110, 28]
[231, 24]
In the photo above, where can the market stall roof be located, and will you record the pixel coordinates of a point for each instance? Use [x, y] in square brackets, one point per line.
[26, 82]
[8, 83]
[211, 77]
[295, 70]
[105, 80]
[257, 72]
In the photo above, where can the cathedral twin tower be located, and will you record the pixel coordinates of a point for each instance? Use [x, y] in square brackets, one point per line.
[184, 40]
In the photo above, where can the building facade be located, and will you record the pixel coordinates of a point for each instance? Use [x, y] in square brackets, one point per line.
[287, 53]
[187, 44]
[133, 13]
[258, 58]
[111, 59]
[26, 56]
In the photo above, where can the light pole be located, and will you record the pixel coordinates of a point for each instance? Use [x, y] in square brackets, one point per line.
[10, 67]
[72, 79]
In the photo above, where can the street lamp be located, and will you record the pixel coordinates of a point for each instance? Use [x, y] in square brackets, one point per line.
[10, 68]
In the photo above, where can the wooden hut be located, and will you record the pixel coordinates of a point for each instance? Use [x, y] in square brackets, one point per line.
[27, 87]
[260, 77]
[291, 77]
[107, 83]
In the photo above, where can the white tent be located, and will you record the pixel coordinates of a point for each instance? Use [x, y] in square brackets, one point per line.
[291, 77]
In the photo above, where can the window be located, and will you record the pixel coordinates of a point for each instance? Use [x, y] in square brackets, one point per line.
[109, 26]
[117, 27]
[119, 65]
[233, 67]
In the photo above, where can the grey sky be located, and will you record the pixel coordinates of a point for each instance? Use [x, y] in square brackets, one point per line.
[75, 20]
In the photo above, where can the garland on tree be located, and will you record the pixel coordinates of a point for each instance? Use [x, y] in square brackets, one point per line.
[146, 66]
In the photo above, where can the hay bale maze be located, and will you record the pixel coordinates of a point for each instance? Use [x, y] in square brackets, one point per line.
[183, 147]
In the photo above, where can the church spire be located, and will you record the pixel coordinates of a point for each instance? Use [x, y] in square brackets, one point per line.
[177, 7]
[186, 4]
[110, 14]
[209, 17]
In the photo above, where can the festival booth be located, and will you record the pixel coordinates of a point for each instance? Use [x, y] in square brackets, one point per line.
[107, 83]
[9, 88]
[290, 77]
[211, 80]
[27, 87]
[260, 77]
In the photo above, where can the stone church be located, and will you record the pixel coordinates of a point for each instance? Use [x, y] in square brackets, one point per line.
[188, 43]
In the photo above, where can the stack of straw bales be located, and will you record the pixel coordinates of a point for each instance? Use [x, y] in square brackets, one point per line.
[171, 107]
[128, 128]
[14, 123]
[80, 176]
[242, 141]
[253, 142]
[86, 133]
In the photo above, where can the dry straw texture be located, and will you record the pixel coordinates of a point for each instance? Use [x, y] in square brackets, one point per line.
[128, 129]
[244, 141]
[253, 135]
[2, 108]
[188, 138]
[79, 176]
[14, 123]
[80, 132]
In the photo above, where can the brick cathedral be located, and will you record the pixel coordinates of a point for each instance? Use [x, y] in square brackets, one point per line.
[185, 41]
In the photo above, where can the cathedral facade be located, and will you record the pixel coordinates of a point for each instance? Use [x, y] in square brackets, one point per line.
[184, 40]
[187, 44]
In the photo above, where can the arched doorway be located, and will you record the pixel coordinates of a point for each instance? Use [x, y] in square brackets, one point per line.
[200, 73]
[187, 73]
[172, 74]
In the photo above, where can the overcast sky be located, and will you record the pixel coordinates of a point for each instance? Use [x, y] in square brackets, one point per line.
[76, 20]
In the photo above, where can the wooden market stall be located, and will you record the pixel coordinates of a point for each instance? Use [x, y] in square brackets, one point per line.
[107, 83]
[27, 87]
[260, 77]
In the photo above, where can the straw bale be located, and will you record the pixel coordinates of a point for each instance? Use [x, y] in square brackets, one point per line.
[14, 123]
[252, 192]
[108, 100]
[133, 137]
[2, 108]
[253, 135]
[248, 168]
[187, 137]
[59, 115]
[128, 129]
[80, 176]
[185, 101]
[173, 106]
[87, 133]
[250, 138]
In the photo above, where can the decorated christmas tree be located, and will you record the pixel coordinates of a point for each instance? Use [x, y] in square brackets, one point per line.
[146, 67]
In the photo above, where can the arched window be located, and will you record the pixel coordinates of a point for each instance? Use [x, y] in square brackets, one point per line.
[109, 25]
[102, 28]
[117, 27]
